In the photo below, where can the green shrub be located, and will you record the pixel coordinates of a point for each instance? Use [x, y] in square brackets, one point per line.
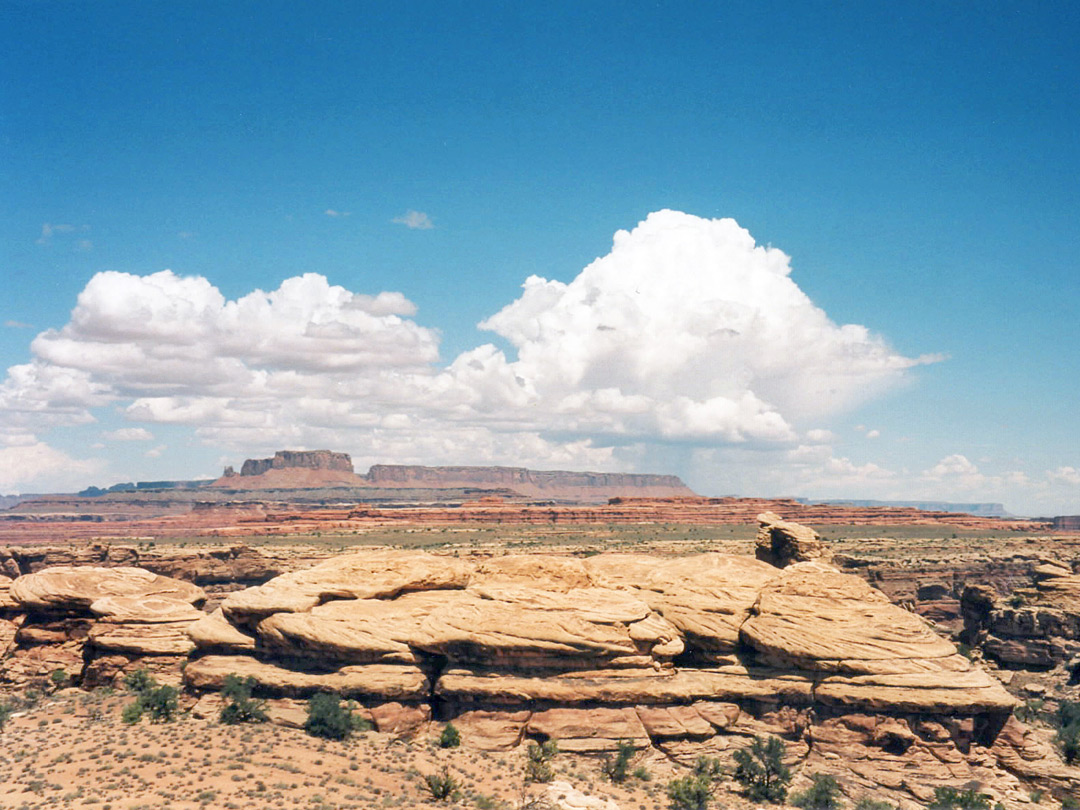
[450, 738]
[240, 706]
[328, 718]
[760, 769]
[690, 792]
[538, 761]
[58, 678]
[160, 703]
[823, 794]
[132, 713]
[869, 803]
[139, 681]
[618, 769]
[707, 766]
[441, 785]
[947, 798]
[5, 714]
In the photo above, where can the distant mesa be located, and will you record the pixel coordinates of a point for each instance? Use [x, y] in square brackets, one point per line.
[296, 459]
[298, 469]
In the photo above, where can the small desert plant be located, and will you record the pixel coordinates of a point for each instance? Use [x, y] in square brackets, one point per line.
[869, 803]
[1068, 735]
[947, 798]
[58, 678]
[241, 707]
[760, 769]
[139, 681]
[618, 769]
[691, 792]
[328, 718]
[5, 714]
[538, 761]
[441, 785]
[823, 794]
[450, 737]
[160, 703]
[132, 713]
[1031, 710]
[707, 766]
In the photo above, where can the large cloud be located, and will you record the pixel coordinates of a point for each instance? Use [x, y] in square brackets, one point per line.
[686, 331]
[687, 334]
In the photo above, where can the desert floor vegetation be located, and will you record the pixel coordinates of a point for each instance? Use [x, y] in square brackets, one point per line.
[72, 750]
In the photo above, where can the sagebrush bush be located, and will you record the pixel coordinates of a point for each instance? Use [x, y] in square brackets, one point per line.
[690, 792]
[240, 706]
[450, 737]
[327, 718]
[760, 769]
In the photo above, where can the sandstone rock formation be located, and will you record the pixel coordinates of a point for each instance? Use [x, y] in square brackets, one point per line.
[691, 655]
[781, 543]
[236, 564]
[95, 623]
[303, 459]
[688, 655]
[1034, 627]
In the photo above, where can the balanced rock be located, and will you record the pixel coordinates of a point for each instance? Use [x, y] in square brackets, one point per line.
[781, 543]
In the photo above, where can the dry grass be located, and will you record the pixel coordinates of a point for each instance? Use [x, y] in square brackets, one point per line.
[73, 751]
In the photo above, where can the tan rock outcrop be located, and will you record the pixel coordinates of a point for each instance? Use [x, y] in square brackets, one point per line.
[70, 589]
[782, 543]
[384, 682]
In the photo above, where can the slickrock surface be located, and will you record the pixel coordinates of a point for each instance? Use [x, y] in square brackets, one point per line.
[71, 589]
[95, 623]
[688, 656]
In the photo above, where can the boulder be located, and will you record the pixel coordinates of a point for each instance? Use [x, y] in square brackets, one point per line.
[70, 589]
[781, 543]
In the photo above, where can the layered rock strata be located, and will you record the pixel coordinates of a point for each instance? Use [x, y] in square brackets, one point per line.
[94, 624]
[690, 655]
[1037, 627]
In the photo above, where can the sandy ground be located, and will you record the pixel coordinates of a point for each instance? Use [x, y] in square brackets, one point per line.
[73, 751]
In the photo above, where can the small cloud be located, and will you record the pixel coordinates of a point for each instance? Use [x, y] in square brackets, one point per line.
[1064, 475]
[48, 229]
[156, 451]
[415, 220]
[186, 234]
[330, 212]
[136, 434]
[820, 436]
[97, 446]
[17, 325]
[873, 434]
[84, 245]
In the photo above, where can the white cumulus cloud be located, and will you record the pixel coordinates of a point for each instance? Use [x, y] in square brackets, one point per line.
[136, 434]
[415, 220]
[687, 336]
[686, 331]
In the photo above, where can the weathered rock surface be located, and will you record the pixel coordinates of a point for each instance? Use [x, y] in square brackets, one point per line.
[691, 656]
[97, 623]
[233, 564]
[781, 543]
[384, 682]
[70, 589]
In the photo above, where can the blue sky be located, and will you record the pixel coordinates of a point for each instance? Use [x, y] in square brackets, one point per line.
[917, 165]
